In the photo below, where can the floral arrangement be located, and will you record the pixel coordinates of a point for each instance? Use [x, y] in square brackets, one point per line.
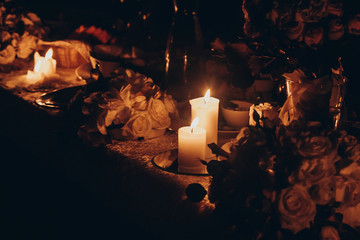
[281, 36]
[314, 22]
[299, 181]
[20, 31]
[292, 177]
[132, 108]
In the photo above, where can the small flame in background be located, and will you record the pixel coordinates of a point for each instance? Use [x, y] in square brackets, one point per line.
[194, 123]
[49, 54]
[207, 96]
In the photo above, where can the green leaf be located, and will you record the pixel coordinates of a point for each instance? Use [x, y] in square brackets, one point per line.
[218, 151]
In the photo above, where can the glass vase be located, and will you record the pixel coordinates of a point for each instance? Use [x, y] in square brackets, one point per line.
[184, 52]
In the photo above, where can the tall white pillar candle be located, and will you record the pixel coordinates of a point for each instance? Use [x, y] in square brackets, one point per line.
[207, 109]
[191, 149]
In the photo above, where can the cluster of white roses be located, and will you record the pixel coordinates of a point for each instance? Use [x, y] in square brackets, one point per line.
[312, 22]
[138, 109]
[302, 178]
[328, 174]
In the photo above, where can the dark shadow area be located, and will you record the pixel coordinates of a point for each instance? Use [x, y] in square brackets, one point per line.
[39, 202]
[217, 19]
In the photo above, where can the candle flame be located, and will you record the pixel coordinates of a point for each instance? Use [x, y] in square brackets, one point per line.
[194, 123]
[207, 96]
[49, 54]
[37, 66]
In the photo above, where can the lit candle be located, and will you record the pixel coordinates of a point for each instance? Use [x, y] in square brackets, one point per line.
[43, 67]
[192, 145]
[34, 76]
[207, 109]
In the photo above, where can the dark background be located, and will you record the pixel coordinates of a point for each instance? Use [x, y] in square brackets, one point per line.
[217, 18]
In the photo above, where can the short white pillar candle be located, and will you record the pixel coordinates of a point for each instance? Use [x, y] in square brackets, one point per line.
[191, 149]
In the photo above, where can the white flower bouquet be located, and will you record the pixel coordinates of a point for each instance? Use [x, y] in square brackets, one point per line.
[136, 109]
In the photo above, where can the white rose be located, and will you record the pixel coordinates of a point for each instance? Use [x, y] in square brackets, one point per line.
[7, 55]
[5, 36]
[10, 20]
[33, 17]
[125, 94]
[353, 154]
[170, 103]
[263, 110]
[140, 103]
[353, 171]
[314, 170]
[296, 208]
[351, 215]
[329, 233]
[159, 115]
[139, 125]
[117, 113]
[323, 191]
[26, 45]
